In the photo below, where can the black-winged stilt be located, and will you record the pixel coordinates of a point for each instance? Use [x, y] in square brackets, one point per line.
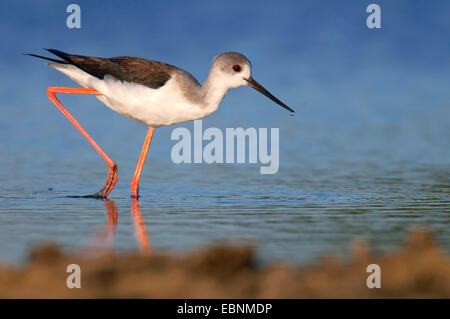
[155, 93]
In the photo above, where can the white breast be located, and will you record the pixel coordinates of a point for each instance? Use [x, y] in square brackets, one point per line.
[166, 105]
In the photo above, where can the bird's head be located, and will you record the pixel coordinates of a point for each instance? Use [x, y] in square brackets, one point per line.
[234, 69]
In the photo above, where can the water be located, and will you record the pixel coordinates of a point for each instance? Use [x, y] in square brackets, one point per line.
[377, 180]
[367, 153]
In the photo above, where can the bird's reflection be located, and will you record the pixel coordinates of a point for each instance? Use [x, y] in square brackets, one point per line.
[105, 236]
[139, 224]
[102, 237]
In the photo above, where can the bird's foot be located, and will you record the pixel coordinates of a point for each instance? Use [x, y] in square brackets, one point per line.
[99, 195]
[134, 190]
[109, 185]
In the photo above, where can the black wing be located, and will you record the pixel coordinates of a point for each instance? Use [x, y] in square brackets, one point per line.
[152, 74]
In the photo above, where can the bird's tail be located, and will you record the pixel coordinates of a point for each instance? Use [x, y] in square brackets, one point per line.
[46, 58]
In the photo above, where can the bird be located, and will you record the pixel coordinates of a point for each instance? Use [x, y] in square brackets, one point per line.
[152, 92]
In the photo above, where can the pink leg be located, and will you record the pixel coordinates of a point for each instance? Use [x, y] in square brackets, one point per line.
[112, 167]
[140, 165]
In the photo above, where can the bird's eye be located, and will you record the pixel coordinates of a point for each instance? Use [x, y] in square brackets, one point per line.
[236, 68]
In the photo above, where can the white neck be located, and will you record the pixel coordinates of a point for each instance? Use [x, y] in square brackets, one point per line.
[213, 91]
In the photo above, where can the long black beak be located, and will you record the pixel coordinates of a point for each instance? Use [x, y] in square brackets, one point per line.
[260, 88]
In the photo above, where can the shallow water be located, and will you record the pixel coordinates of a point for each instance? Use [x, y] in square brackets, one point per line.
[373, 180]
